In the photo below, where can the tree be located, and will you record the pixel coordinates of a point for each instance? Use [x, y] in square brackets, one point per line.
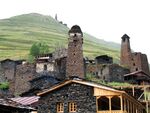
[39, 48]
[34, 51]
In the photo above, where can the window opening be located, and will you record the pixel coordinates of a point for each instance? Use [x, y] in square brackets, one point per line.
[103, 103]
[60, 107]
[72, 107]
[115, 103]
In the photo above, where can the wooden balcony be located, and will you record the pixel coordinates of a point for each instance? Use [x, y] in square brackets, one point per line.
[112, 111]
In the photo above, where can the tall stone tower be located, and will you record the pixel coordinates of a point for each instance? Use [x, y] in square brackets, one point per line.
[125, 56]
[135, 61]
[75, 64]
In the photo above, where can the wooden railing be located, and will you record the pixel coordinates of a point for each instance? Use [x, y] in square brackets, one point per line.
[112, 111]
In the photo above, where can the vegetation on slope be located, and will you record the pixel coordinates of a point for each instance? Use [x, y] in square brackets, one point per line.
[19, 33]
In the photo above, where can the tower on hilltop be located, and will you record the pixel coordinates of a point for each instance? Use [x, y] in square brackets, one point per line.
[75, 63]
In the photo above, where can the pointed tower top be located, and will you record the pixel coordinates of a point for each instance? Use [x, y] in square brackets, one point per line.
[125, 36]
[75, 29]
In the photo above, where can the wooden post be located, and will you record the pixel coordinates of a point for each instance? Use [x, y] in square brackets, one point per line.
[133, 90]
[110, 103]
[124, 102]
[97, 103]
[147, 107]
[128, 106]
[121, 103]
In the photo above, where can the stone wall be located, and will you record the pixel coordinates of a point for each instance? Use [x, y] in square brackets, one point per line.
[44, 66]
[139, 62]
[60, 53]
[60, 68]
[107, 72]
[80, 94]
[103, 59]
[7, 68]
[117, 73]
[24, 74]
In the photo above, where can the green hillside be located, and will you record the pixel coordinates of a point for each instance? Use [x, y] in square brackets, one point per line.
[18, 33]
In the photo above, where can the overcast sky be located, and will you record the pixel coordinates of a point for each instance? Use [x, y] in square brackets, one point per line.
[104, 19]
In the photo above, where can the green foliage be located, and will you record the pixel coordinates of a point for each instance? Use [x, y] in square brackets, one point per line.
[43, 48]
[30, 59]
[92, 78]
[89, 76]
[4, 85]
[39, 48]
[118, 84]
[35, 50]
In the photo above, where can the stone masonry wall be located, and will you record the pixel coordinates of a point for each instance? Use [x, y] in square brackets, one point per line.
[24, 74]
[139, 62]
[80, 94]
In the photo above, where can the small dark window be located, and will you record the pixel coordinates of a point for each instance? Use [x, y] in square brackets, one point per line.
[103, 77]
[45, 67]
[123, 40]
[133, 64]
[136, 69]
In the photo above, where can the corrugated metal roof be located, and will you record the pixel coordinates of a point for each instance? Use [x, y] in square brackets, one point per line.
[26, 100]
[10, 103]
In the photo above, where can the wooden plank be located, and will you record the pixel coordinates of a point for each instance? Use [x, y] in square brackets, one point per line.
[103, 92]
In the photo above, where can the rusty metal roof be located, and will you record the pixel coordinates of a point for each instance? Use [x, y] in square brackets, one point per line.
[10, 103]
[26, 100]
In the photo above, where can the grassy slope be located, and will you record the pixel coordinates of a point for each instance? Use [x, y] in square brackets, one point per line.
[18, 33]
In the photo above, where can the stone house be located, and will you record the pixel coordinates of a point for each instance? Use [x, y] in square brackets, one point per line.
[24, 74]
[44, 63]
[137, 77]
[8, 69]
[78, 96]
[112, 72]
[103, 59]
[107, 72]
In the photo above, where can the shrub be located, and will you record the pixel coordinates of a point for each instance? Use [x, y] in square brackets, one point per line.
[4, 85]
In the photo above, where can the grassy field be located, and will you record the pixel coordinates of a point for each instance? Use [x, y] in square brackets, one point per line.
[18, 33]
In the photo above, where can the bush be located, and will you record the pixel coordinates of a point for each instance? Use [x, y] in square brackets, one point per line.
[4, 85]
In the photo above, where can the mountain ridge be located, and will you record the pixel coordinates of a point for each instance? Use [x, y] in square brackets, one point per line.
[18, 33]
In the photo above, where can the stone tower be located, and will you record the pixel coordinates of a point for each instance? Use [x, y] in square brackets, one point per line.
[125, 56]
[75, 64]
[135, 61]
